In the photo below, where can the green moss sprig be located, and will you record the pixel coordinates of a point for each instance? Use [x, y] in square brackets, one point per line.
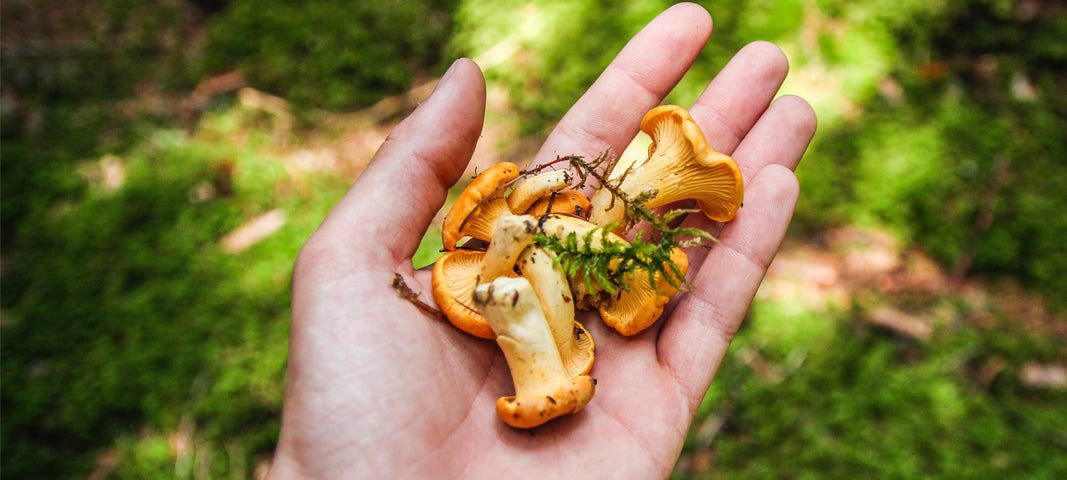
[604, 268]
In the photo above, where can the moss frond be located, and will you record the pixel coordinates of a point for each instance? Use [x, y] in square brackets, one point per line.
[603, 268]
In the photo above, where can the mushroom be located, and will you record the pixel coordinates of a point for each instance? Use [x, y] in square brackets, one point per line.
[560, 227]
[633, 310]
[485, 200]
[549, 282]
[513, 233]
[680, 165]
[537, 187]
[543, 388]
[454, 277]
[456, 273]
[478, 208]
[627, 311]
[566, 202]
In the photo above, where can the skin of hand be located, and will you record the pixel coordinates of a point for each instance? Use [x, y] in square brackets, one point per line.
[377, 389]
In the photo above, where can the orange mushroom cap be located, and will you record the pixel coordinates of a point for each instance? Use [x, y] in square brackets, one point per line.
[534, 411]
[639, 307]
[566, 202]
[725, 184]
[476, 210]
[456, 273]
[680, 165]
[454, 277]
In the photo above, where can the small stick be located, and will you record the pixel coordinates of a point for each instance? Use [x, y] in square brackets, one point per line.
[412, 296]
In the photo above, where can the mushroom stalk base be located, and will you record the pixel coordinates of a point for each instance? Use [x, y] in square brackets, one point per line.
[543, 389]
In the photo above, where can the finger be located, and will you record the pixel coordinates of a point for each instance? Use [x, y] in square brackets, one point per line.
[608, 116]
[779, 137]
[696, 336]
[396, 197]
[737, 97]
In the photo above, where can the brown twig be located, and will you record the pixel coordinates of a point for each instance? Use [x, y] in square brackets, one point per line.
[412, 296]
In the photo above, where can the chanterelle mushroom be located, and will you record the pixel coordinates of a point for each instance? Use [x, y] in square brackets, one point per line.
[513, 233]
[543, 388]
[680, 165]
[566, 202]
[478, 208]
[633, 310]
[456, 273]
[576, 347]
[454, 277]
[536, 187]
[627, 311]
[481, 205]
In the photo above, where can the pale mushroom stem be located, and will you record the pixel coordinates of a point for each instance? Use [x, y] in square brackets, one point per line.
[512, 234]
[553, 290]
[561, 227]
[534, 188]
[514, 313]
[543, 388]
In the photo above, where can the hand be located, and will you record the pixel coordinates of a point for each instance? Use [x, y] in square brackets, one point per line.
[378, 389]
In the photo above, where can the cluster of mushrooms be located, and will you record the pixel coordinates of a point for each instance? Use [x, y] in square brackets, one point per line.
[494, 282]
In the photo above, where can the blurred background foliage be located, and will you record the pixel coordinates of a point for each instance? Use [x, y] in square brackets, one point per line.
[141, 339]
[319, 56]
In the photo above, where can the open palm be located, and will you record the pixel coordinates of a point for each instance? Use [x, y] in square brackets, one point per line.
[378, 389]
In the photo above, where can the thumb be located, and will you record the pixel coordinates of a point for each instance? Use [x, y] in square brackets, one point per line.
[393, 201]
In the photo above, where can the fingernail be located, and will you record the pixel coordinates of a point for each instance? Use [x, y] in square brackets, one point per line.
[448, 73]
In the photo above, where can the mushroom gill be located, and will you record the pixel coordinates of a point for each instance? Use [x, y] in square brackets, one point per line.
[476, 211]
[680, 165]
